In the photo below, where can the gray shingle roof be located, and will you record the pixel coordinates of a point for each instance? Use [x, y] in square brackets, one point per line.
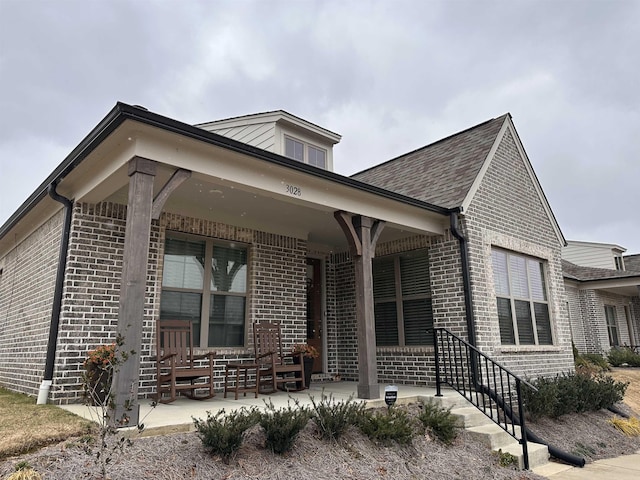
[632, 262]
[583, 274]
[440, 173]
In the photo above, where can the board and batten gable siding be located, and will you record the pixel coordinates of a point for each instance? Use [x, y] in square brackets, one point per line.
[261, 135]
[589, 255]
[507, 212]
[26, 297]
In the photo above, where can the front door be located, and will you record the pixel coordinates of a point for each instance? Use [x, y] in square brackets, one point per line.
[314, 309]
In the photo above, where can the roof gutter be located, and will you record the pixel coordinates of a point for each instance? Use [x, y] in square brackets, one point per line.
[466, 278]
[122, 112]
[57, 294]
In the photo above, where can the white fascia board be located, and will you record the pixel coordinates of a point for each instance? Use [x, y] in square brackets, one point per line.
[608, 246]
[274, 117]
[276, 181]
[483, 170]
[609, 283]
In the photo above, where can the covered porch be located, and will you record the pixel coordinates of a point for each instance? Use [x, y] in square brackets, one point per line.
[178, 416]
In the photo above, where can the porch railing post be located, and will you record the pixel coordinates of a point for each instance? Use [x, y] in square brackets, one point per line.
[437, 358]
[523, 428]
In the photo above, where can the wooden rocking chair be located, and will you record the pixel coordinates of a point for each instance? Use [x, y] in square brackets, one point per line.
[177, 370]
[275, 369]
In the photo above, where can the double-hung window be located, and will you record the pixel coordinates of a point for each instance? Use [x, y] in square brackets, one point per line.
[205, 282]
[521, 295]
[305, 153]
[612, 325]
[402, 296]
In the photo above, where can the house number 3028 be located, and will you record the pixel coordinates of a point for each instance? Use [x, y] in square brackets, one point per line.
[293, 190]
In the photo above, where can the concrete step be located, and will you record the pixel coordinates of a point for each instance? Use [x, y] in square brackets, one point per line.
[538, 454]
[470, 416]
[449, 400]
[491, 435]
[485, 431]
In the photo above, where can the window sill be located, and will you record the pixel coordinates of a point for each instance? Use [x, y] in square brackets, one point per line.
[221, 351]
[529, 348]
[406, 349]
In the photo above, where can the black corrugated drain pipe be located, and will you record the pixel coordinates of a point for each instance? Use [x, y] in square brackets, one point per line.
[43, 393]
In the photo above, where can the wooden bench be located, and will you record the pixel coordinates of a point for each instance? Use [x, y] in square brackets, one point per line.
[178, 369]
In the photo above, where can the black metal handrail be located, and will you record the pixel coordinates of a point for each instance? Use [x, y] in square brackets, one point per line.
[489, 386]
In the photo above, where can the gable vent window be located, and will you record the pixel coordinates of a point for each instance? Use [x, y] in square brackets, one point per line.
[402, 297]
[521, 295]
[305, 153]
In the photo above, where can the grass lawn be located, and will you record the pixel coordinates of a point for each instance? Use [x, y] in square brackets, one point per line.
[25, 426]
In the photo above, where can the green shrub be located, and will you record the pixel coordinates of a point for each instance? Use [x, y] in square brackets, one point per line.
[592, 363]
[333, 418]
[386, 426]
[619, 355]
[439, 421]
[572, 393]
[281, 427]
[222, 433]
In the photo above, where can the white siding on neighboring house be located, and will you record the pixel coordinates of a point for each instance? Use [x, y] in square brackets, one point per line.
[597, 255]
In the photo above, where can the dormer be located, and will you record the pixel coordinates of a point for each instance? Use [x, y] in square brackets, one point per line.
[592, 254]
[282, 133]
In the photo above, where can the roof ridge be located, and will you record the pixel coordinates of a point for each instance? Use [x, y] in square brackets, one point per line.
[424, 147]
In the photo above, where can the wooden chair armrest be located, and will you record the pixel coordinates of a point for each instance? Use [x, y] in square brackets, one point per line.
[265, 355]
[166, 356]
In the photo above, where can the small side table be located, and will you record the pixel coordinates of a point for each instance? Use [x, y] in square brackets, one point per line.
[240, 380]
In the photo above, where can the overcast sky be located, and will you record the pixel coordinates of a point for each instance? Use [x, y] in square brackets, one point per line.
[389, 76]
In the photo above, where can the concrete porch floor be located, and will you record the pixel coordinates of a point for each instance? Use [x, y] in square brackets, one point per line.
[177, 416]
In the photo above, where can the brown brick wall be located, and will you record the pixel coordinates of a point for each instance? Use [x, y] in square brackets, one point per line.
[90, 309]
[506, 211]
[26, 297]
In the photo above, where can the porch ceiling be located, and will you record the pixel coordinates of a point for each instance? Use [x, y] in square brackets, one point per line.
[224, 201]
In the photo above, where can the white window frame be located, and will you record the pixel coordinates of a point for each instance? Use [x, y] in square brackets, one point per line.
[206, 291]
[613, 329]
[306, 146]
[513, 298]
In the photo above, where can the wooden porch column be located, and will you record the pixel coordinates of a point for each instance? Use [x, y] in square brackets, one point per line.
[132, 290]
[362, 234]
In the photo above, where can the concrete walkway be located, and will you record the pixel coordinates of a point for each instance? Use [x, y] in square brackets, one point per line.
[626, 467]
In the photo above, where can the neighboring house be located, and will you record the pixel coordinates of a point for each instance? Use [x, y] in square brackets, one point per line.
[168, 220]
[632, 262]
[603, 295]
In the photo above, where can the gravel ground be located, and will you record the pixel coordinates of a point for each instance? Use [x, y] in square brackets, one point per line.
[181, 456]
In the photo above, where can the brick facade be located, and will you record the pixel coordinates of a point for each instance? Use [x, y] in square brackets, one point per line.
[26, 294]
[276, 289]
[507, 212]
